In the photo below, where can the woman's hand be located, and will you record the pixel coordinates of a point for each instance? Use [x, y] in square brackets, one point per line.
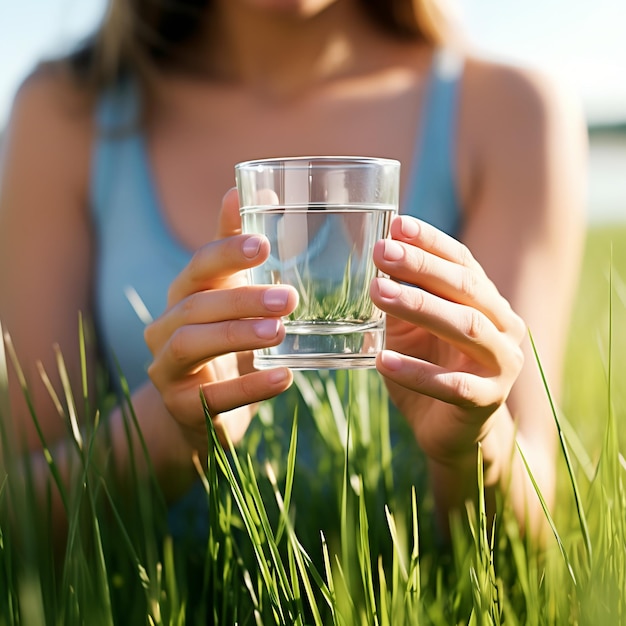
[213, 320]
[452, 344]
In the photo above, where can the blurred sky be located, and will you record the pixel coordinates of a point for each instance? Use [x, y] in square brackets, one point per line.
[581, 42]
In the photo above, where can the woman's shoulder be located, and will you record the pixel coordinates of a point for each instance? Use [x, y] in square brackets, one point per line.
[506, 101]
[50, 95]
[515, 119]
[50, 126]
[520, 135]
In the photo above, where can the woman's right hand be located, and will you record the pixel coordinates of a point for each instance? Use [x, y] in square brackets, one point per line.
[214, 318]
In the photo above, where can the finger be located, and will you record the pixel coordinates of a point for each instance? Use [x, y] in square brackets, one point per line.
[205, 307]
[464, 327]
[185, 403]
[191, 347]
[425, 236]
[452, 280]
[229, 221]
[247, 389]
[447, 279]
[462, 389]
[217, 264]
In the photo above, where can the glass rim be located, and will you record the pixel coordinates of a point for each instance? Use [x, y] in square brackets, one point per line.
[319, 161]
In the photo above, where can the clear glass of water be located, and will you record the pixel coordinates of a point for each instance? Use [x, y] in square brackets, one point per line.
[322, 216]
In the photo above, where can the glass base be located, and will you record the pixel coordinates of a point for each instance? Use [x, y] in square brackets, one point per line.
[316, 361]
[311, 346]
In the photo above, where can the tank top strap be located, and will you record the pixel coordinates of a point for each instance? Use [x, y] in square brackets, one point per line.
[117, 124]
[432, 192]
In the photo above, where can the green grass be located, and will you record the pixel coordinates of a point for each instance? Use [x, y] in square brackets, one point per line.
[326, 300]
[345, 535]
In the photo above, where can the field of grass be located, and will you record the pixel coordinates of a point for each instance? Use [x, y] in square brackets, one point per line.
[344, 536]
[587, 360]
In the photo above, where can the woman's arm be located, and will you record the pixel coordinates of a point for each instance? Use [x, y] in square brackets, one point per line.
[526, 227]
[46, 242]
[461, 379]
[46, 276]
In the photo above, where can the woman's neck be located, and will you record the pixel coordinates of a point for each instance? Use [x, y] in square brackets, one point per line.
[278, 54]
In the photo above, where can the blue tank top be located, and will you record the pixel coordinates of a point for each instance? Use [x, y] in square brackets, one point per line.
[138, 257]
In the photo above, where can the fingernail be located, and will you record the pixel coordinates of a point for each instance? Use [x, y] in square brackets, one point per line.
[409, 227]
[391, 360]
[275, 298]
[266, 328]
[251, 246]
[388, 288]
[231, 190]
[277, 376]
[393, 250]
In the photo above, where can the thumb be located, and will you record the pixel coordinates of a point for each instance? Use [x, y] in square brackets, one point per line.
[229, 221]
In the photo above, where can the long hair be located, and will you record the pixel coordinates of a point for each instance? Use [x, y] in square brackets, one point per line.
[137, 36]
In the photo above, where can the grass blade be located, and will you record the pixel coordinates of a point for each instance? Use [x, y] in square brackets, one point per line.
[546, 512]
[582, 518]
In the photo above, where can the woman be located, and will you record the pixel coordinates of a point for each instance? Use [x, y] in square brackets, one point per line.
[116, 162]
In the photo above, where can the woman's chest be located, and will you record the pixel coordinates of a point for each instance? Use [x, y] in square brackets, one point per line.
[192, 152]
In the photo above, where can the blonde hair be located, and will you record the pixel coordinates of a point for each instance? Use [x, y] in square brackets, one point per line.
[138, 35]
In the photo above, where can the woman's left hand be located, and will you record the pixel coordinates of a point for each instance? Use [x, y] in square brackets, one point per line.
[453, 342]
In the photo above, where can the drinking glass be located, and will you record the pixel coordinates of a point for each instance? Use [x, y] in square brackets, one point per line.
[322, 216]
